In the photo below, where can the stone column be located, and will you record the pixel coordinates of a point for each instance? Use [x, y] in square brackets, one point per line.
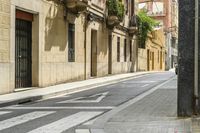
[186, 58]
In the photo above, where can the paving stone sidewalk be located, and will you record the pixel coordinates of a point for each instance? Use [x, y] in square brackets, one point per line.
[155, 113]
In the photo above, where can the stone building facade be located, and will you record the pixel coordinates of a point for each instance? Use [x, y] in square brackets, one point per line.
[166, 12]
[43, 43]
[5, 52]
[152, 58]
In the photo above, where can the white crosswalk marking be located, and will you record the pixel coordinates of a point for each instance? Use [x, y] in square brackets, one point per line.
[66, 123]
[82, 131]
[4, 112]
[58, 108]
[22, 119]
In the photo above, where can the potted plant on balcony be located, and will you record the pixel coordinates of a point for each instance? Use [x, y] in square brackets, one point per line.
[77, 5]
[115, 12]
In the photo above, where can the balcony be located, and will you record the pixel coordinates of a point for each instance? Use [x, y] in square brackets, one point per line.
[77, 5]
[133, 25]
[113, 20]
[156, 14]
[115, 12]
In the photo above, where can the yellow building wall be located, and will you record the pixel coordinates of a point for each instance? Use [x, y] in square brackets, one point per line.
[152, 58]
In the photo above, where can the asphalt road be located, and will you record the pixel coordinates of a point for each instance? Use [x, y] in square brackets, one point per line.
[65, 113]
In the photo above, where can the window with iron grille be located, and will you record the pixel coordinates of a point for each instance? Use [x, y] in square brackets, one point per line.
[71, 43]
[125, 51]
[118, 49]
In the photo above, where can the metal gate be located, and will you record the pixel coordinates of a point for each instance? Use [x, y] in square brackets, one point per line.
[23, 58]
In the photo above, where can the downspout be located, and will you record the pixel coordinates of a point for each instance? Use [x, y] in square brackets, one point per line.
[196, 56]
[85, 42]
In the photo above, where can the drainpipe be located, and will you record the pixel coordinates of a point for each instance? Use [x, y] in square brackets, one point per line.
[196, 56]
[85, 36]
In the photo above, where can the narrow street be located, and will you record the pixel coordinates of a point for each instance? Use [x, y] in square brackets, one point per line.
[99, 66]
[67, 113]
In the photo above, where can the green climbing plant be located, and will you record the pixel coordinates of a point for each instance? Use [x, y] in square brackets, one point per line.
[145, 25]
[121, 10]
[115, 7]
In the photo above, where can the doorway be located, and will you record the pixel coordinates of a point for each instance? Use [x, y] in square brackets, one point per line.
[93, 53]
[148, 60]
[152, 60]
[161, 60]
[110, 54]
[23, 50]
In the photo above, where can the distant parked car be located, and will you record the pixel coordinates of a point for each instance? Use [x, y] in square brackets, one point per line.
[176, 69]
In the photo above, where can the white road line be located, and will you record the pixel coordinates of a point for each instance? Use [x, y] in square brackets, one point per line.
[23, 119]
[4, 112]
[90, 122]
[58, 108]
[141, 82]
[100, 97]
[145, 85]
[82, 131]
[66, 123]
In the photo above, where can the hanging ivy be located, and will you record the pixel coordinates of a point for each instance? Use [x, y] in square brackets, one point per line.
[145, 25]
[116, 8]
[121, 10]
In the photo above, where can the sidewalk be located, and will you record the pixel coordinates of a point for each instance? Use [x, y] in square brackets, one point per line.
[152, 112]
[68, 88]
